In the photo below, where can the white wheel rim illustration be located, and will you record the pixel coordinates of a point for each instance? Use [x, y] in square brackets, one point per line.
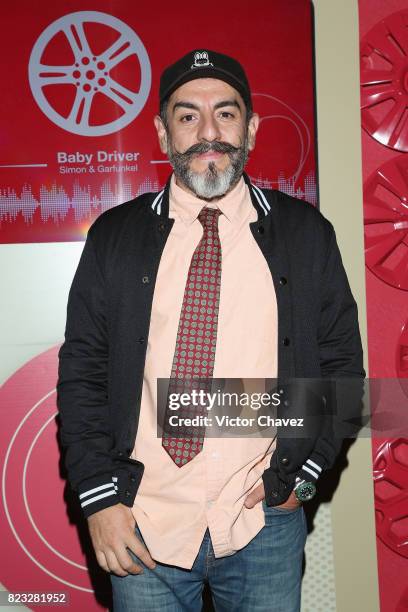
[90, 73]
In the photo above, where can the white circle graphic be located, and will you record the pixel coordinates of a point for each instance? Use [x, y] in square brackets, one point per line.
[90, 73]
[25, 496]
[9, 452]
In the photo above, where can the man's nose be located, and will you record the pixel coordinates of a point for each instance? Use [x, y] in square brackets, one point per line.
[208, 129]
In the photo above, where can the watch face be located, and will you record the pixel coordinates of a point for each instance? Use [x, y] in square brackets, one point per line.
[305, 491]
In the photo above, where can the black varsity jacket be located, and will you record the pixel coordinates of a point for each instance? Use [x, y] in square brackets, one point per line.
[101, 361]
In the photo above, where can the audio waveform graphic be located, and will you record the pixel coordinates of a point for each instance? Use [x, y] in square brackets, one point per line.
[54, 202]
[55, 215]
[308, 192]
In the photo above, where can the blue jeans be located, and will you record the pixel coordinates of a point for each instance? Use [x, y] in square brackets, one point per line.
[264, 576]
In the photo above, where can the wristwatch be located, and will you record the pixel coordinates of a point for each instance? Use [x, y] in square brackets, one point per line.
[304, 490]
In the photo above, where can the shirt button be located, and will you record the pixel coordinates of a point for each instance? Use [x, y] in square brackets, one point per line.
[286, 341]
[161, 227]
[285, 460]
[210, 503]
[283, 280]
[261, 229]
[141, 340]
[145, 280]
[215, 455]
[127, 493]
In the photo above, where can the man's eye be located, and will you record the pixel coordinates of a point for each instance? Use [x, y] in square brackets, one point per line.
[187, 118]
[226, 115]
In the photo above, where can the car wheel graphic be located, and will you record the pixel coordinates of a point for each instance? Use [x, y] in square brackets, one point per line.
[391, 494]
[90, 73]
[384, 81]
[386, 223]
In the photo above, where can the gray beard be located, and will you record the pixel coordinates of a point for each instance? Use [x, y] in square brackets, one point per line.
[212, 183]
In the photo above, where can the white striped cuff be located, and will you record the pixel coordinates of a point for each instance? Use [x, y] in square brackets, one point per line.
[98, 493]
[312, 468]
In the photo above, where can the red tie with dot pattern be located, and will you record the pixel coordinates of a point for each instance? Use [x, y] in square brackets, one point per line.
[193, 361]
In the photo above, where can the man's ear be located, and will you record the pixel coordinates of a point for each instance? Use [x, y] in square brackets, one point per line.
[161, 133]
[253, 126]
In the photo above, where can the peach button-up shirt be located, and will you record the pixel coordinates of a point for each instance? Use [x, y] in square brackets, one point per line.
[174, 506]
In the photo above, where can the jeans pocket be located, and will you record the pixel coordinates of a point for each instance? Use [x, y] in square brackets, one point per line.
[280, 518]
[278, 509]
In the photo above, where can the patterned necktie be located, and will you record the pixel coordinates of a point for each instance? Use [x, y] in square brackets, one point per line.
[193, 361]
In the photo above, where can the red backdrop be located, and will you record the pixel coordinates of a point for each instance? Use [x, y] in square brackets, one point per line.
[76, 124]
[52, 108]
[384, 101]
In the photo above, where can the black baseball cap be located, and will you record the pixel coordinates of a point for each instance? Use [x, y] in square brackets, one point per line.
[201, 64]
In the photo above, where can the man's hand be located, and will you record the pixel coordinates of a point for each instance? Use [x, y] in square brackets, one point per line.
[258, 494]
[112, 530]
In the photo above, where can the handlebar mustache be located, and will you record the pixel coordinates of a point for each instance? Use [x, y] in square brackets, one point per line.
[205, 147]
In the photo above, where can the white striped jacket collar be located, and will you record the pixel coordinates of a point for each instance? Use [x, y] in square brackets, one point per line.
[160, 204]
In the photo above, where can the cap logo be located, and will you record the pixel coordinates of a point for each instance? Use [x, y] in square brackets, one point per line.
[201, 59]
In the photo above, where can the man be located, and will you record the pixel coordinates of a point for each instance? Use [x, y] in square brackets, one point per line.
[211, 277]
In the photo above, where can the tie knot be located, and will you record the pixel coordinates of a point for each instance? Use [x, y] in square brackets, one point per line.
[208, 217]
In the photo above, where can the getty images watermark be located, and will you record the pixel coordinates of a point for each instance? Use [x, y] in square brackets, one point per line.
[293, 407]
[195, 401]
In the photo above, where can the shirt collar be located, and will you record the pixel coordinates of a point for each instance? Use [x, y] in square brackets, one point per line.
[187, 206]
